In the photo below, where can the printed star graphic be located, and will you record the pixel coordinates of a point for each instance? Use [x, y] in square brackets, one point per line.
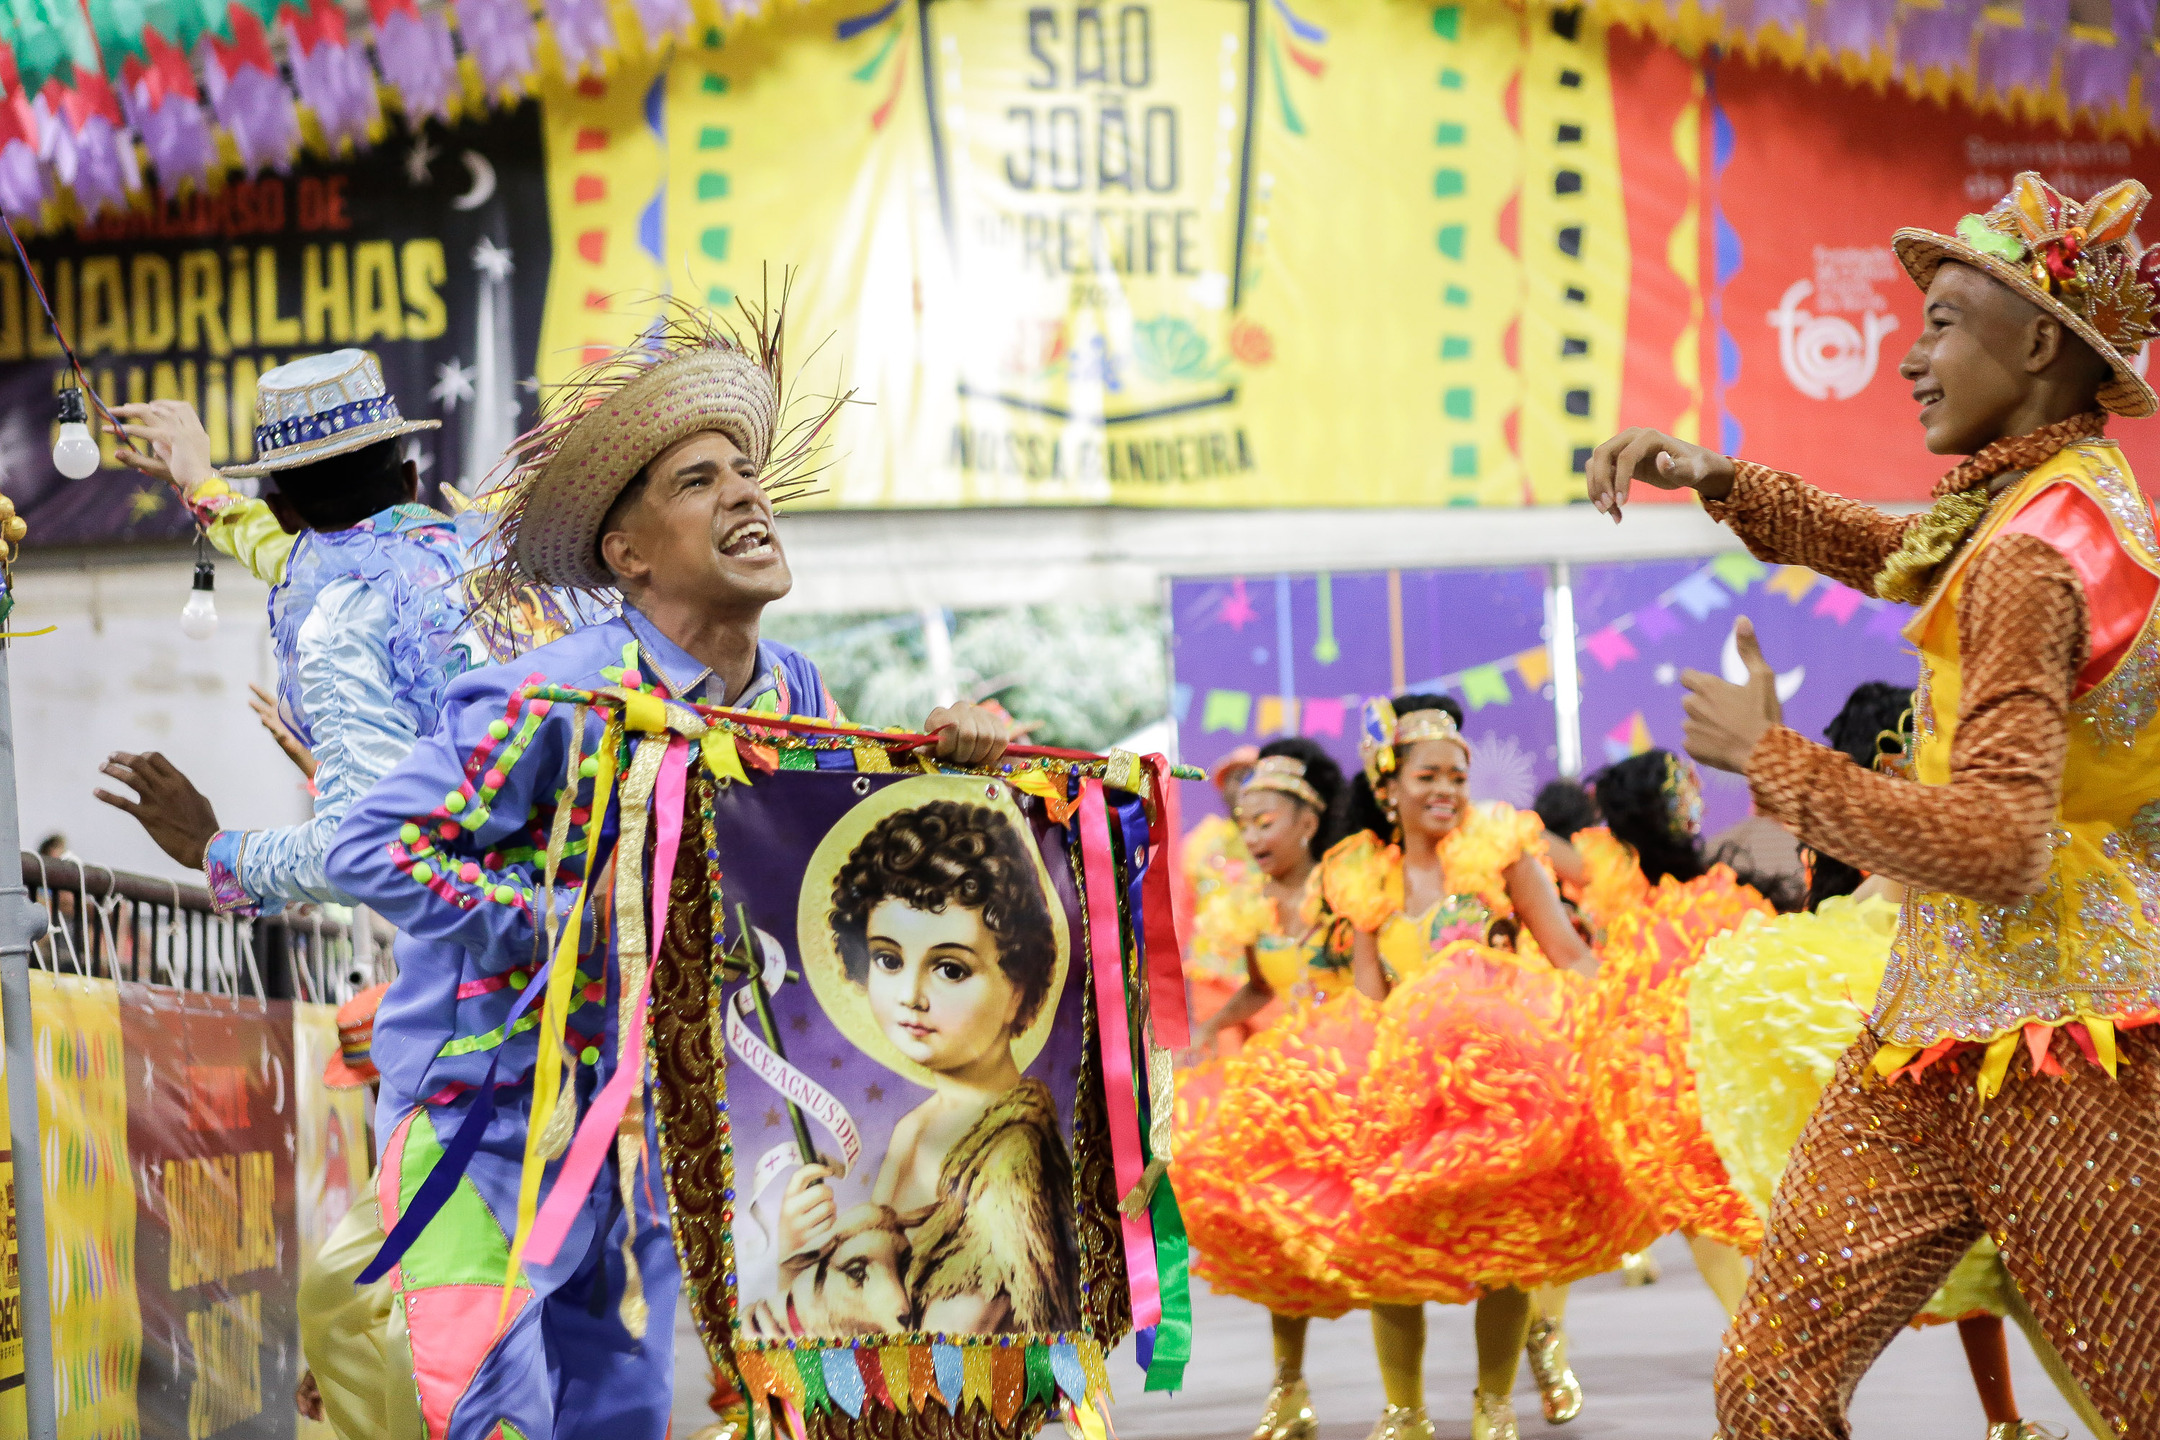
[837, 1062]
[772, 1118]
[144, 503]
[453, 382]
[491, 260]
[1238, 611]
[800, 1024]
[419, 455]
[1665, 674]
[418, 161]
[873, 1092]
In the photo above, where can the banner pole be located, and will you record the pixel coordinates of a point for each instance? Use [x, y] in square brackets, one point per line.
[21, 925]
[1567, 679]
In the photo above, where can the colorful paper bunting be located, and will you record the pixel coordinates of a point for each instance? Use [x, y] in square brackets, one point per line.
[1738, 570]
[1535, 667]
[1699, 594]
[1485, 685]
[1226, 710]
[843, 1381]
[1278, 715]
[1323, 716]
[1793, 582]
[1609, 647]
[1630, 737]
[1838, 602]
[1656, 622]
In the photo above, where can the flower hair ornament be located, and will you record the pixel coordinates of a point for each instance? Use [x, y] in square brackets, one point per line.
[1382, 737]
[1284, 774]
[1683, 815]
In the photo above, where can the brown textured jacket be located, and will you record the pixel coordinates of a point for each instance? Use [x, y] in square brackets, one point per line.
[2023, 633]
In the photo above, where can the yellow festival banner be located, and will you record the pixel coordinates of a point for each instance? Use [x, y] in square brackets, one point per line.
[1212, 252]
[89, 1204]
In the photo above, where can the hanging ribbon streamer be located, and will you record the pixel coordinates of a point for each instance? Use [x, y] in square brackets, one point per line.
[441, 1182]
[1164, 937]
[1113, 1029]
[665, 775]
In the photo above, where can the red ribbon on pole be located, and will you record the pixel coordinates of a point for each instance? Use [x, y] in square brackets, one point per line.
[1165, 941]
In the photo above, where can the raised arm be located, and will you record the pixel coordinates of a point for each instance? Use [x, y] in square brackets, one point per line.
[1780, 518]
[165, 440]
[2022, 629]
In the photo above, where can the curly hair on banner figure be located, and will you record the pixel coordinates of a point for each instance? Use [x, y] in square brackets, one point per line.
[941, 914]
[1651, 803]
[1872, 724]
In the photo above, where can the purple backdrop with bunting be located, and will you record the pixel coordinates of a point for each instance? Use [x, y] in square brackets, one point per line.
[1257, 657]
[1643, 623]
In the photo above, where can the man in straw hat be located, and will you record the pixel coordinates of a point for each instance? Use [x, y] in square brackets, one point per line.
[364, 620]
[654, 474]
[2003, 1084]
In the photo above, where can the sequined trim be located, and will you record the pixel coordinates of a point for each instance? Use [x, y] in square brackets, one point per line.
[221, 870]
[2123, 499]
[2119, 708]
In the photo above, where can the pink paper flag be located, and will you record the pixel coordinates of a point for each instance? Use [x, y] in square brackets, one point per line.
[1609, 647]
[1323, 717]
[1838, 602]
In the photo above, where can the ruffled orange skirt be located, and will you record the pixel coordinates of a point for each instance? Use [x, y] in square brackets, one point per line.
[1475, 1163]
[1257, 1169]
[1642, 1088]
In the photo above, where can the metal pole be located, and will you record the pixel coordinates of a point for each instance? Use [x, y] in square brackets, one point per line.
[21, 925]
[1567, 680]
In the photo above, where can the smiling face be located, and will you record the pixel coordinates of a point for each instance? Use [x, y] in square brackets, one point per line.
[1431, 788]
[936, 987]
[1277, 831]
[696, 531]
[1985, 356]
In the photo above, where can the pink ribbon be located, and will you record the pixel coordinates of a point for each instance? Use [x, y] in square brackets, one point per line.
[1119, 1095]
[581, 1167]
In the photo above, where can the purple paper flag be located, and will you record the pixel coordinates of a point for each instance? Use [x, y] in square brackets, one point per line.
[417, 59]
[502, 39]
[255, 108]
[1656, 622]
[338, 85]
[1852, 29]
[583, 32]
[23, 188]
[177, 135]
[661, 18]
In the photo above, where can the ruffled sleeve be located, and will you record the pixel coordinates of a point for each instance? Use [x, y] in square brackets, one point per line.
[1361, 880]
[1615, 881]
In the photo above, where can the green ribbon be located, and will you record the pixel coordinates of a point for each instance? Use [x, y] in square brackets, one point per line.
[1173, 1260]
[1041, 1379]
[811, 1366]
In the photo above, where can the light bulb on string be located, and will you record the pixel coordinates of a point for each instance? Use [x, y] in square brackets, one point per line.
[74, 451]
[198, 618]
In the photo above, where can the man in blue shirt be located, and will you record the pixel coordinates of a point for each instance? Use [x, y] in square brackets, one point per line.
[659, 482]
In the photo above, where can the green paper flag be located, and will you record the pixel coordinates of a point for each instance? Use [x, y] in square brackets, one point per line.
[811, 1366]
[1041, 1380]
[1484, 686]
[1738, 570]
[1226, 710]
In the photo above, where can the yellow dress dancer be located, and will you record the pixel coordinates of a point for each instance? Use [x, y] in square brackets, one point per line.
[1444, 1150]
[1640, 1085]
[1269, 917]
[1773, 1004]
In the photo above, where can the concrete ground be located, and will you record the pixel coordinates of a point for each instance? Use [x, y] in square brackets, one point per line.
[1643, 1356]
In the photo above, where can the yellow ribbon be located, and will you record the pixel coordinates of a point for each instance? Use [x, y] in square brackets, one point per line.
[722, 759]
[26, 634]
[1996, 1065]
[555, 1014]
[2103, 1038]
[1889, 1059]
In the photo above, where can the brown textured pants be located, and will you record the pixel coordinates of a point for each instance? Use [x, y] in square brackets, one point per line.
[1890, 1184]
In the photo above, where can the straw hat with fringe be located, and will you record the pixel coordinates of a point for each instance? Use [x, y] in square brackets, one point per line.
[2073, 261]
[691, 371]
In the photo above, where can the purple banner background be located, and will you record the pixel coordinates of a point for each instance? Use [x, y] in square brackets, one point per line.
[1833, 637]
[1268, 635]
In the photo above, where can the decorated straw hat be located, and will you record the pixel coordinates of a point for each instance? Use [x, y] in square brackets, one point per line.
[354, 1064]
[322, 406]
[689, 373]
[2077, 262]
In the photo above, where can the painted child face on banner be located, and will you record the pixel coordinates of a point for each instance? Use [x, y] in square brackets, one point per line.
[937, 946]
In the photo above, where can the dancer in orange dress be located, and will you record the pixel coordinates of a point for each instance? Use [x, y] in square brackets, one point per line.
[1271, 921]
[1641, 1086]
[1434, 1125]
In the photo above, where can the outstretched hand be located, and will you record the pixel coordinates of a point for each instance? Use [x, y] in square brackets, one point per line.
[176, 814]
[1725, 721]
[165, 440]
[1657, 460]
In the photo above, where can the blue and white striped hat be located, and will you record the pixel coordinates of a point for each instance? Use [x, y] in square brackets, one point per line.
[321, 406]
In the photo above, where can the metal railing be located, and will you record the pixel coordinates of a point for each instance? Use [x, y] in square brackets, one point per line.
[120, 926]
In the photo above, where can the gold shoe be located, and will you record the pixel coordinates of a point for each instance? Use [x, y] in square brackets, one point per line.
[2025, 1430]
[1288, 1414]
[1404, 1422]
[1492, 1417]
[1638, 1268]
[1558, 1390]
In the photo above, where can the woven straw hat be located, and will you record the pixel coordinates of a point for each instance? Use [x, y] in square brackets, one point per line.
[719, 387]
[2073, 261]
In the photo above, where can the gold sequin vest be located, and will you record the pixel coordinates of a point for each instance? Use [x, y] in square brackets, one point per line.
[2088, 944]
